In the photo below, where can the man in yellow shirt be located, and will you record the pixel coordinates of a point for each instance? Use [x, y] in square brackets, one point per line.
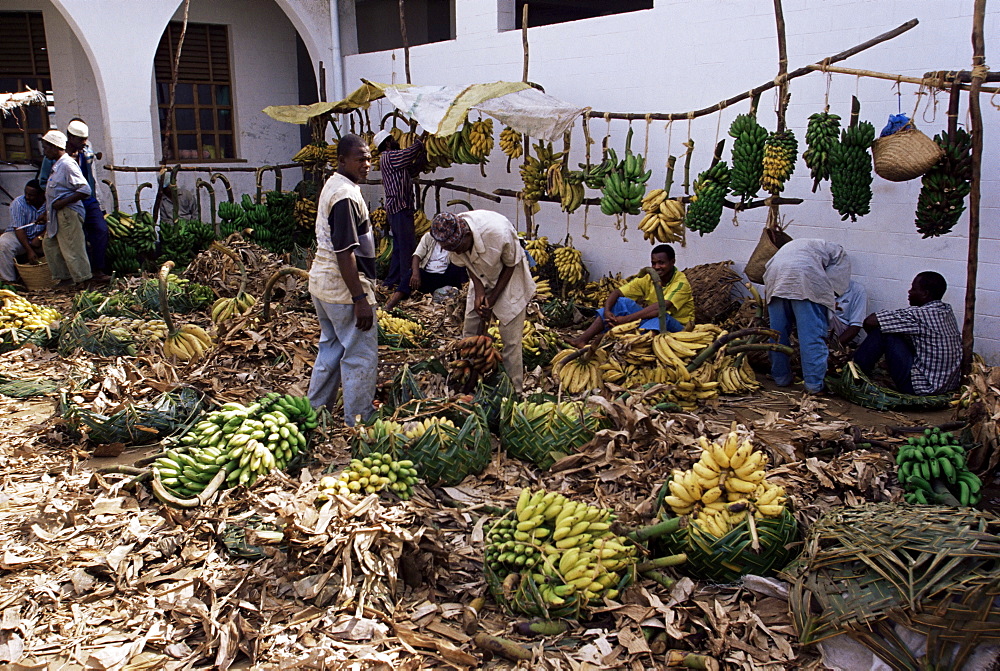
[636, 300]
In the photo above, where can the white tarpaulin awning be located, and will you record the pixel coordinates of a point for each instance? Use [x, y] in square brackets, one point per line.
[443, 109]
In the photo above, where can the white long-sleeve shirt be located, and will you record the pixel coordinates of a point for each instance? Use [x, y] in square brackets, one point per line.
[808, 269]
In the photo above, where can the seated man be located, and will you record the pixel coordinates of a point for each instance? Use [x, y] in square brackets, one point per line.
[921, 344]
[847, 318]
[27, 226]
[430, 269]
[636, 300]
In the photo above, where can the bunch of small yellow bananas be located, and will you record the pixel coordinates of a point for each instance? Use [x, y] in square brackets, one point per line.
[372, 474]
[380, 219]
[438, 153]
[188, 343]
[312, 153]
[664, 219]
[19, 312]
[481, 138]
[534, 171]
[569, 264]
[416, 429]
[533, 340]
[225, 308]
[539, 250]
[735, 378]
[305, 212]
[421, 224]
[511, 143]
[138, 329]
[410, 330]
[580, 374]
[543, 290]
[594, 293]
[724, 485]
[780, 152]
[546, 408]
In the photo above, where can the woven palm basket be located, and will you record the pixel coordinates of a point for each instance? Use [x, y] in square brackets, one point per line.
[36, 276]
[727, 559]
[136, 425]
[490, 395]
[904, 155]
[444, 458]
[932, 569]
[858, 388]
[546, 438]
[12, 338]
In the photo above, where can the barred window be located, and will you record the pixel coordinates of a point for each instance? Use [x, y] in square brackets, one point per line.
[24, 64]
[202, 124]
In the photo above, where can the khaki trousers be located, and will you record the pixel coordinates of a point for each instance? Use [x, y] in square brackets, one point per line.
[67, 251]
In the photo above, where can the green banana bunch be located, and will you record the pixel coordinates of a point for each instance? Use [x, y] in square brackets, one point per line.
[372, 474]
[851, 171]
[143, 237]
[120, 225]
[705, 210]
[625, 186]
[748, 156]
[244, 441]
[594, 175]
[122, 257]
[932, 462]
[780, 151]
[944, 187]
[182, 240]
[565, 547]
[822, 134]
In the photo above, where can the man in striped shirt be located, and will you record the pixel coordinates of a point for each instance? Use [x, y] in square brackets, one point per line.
[921, 344]
[27, 224]
[396, 164]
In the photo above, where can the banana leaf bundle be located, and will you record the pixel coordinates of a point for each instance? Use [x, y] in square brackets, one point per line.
[74, 334]
[172, 413]
[12, 338]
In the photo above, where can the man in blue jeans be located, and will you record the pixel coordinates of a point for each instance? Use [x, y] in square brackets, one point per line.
[921, 344]
[801, 283]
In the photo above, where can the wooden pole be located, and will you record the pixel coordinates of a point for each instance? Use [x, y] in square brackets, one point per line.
[169, 123]
[524, 41]
[529, 215]
[935, 82]
[674, 116]
[774, 209]
[975, 193]
[406, 43]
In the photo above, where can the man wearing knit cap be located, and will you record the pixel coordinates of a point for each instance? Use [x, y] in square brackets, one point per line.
[486, 244]
[66, 188]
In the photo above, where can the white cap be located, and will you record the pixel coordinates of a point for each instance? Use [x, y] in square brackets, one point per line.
[55, 138]
[381, 137]
[78, 128]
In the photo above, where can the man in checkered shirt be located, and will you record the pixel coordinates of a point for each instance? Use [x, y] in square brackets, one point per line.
[921, 344]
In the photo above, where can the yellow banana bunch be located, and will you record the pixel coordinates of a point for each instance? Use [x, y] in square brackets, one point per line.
[411, 330]
[372, 474]
[566, 547]
[570, 191]
[331, 156]
[539, 250]
[18, 312]
[311, 153]
[726, 482]
[780, 151]
[380, 219]
[416, 429]
[691, 392]
[421, 224]
[736, 378]
[138, 329]
[305, 212]
[187, 344]
[511, 143]
[681, 347]
[438, 153]
[481, 138]
[594, 293]
[405, 139]
[534, 171]
[664, 218]
[543, 290]
[548, 408]
[225, 308]
[580, 374]
[569, 264]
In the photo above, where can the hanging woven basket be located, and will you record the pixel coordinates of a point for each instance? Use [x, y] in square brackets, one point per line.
[905, 155]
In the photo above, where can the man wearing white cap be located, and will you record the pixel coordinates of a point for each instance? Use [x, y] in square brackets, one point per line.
[395, 165]
[66, 188]
[95, 229]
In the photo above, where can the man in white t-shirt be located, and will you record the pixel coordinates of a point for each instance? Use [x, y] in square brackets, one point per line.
[430, 269]
[849, 315]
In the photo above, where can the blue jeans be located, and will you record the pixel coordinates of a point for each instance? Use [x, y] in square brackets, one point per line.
[348, 357]
[898, 352]
[626, 306]
[404, 242]
[811, 323]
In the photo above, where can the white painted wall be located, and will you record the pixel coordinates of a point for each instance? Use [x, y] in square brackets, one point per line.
[684, 55]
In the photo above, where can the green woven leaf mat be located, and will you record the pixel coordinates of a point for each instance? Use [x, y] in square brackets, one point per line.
[24, 388]
[545, 439]
[858, 388]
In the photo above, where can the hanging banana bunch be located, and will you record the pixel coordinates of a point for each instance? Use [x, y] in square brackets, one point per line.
[511, 144]
[822, 134]
[380, 220]
[851, 171]
[664, 220]
[780, 151]
[438, 153]
[625, 185]
[705, 210]
[534, 171]
[944, 187]
[748, 156]
[569, 264]
[594, 175]
[565, 185]
[224, 308]
[539, 250]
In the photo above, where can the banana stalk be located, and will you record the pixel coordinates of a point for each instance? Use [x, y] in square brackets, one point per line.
[269, 287]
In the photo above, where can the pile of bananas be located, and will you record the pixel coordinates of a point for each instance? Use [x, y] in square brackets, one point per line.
[539, 250]
[476, 357]
[18, 312]
[565, 185]
[851, 171]
[225, 308]
[380, 220]
[319, 153]
[735, 378]
[421, 224]
[822, 135]
[543, 290]
[934, 463]
[780, 152]
[403, 331]
[594, 175]
[535, 342]
[676, 349]
[304, 212]
[438, 153]
[511, 143]
[188, 343]
[748, 156]
[594, 293]
[705, 210]
[136, 329]
[244, 441]
[534, 171]
[277, 231]
[569, 264]
[566, 547]
[580, 374]
[182, 240]
[372, 474]
[664, 220]
[944, 187]
[623, 187]
[727, 483]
